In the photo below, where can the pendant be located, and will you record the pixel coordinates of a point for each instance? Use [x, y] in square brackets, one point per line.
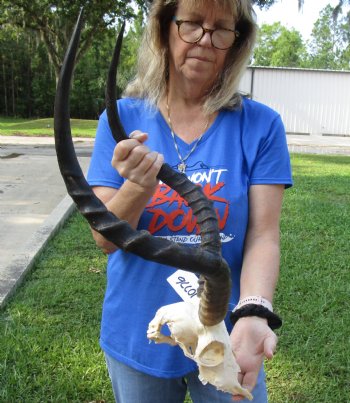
[182, 167]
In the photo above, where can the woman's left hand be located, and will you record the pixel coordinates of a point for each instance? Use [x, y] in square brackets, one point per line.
[252, 340]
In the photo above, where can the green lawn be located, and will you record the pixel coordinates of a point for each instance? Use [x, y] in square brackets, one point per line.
[49, 330]
[44, 127]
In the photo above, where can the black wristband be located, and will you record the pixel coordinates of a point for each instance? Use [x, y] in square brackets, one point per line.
[273, 320]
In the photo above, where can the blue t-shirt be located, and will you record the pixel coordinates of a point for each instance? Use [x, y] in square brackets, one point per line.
[243, 147]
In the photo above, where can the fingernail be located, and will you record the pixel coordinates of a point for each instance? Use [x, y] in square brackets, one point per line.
[160, 160]
[137, 135]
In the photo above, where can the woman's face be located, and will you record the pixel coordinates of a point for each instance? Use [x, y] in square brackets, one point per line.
[198, 63]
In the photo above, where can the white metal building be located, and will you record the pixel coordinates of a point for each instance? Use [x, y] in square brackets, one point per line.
[315, 102]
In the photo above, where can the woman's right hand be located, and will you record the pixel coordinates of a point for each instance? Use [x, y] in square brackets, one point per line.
[136, 162]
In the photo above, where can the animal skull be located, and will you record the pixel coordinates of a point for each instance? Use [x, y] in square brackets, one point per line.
[208, 346]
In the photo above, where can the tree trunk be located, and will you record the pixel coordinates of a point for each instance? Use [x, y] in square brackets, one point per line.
[5, 87]
[13, 87]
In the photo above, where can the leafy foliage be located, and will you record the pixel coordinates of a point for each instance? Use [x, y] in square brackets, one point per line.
[34, 35]
[328, 47]
[278, 46]
[28, 85]
[264, 3]
[330, 41]
[53, 21]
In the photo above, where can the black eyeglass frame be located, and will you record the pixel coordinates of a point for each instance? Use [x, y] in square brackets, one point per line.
[204, 31]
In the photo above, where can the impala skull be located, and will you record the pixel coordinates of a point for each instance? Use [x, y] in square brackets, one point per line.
[208, 346]
[206, 260]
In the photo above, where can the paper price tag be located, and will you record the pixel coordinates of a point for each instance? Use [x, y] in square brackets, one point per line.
[185, 284]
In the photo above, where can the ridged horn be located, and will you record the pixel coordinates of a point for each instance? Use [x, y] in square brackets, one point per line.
[205, 260]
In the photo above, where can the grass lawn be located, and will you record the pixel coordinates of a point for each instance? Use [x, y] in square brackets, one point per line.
[44, 127]
[49, 330]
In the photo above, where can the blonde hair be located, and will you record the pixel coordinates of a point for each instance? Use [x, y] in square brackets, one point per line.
[151, 78]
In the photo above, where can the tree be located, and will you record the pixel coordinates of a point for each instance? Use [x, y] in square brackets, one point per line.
[131, 44]
[53, 21]
[264, 3]
[345, 57]
[329, 40]
[269, 3]
[277, 46]
[27, 79]
[88, 93]
[15, 73]
[34, 36]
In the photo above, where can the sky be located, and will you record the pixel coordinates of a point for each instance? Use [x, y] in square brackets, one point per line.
[286, 11]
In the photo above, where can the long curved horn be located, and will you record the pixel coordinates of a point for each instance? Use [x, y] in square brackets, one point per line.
[205, 260]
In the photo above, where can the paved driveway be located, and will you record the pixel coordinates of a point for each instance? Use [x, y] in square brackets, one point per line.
[31, 187]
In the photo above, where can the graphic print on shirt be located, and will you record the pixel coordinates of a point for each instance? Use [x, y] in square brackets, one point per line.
[169, 213]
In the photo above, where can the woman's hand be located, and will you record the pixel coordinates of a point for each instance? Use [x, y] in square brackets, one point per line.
[136, 162]
[252, 340]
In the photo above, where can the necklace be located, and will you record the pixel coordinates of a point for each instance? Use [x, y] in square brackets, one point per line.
[182, 164]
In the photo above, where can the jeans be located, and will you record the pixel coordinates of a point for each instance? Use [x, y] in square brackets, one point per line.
[132, 386]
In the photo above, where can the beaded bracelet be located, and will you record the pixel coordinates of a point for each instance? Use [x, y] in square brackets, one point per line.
[273, 320]
[254, 299]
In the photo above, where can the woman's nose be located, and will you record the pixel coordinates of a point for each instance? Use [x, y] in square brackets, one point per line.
[206, 39]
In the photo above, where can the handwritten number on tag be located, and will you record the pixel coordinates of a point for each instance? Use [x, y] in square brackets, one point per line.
[186, 286]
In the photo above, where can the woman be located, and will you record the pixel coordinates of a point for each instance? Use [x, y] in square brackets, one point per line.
[183, 107]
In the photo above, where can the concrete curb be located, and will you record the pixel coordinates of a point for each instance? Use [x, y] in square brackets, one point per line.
[13, 276]
[319, 150]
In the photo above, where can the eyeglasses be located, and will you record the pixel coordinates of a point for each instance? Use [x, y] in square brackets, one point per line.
[193, 32]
